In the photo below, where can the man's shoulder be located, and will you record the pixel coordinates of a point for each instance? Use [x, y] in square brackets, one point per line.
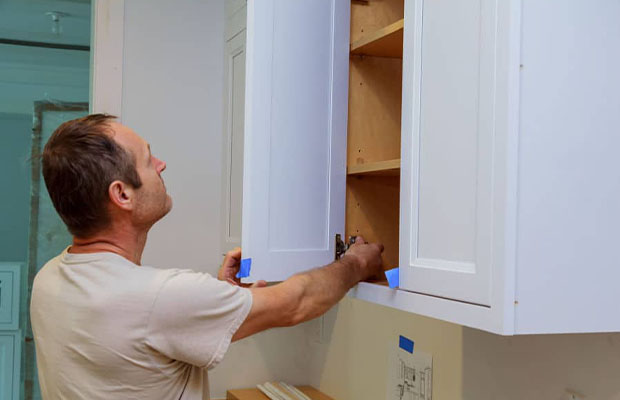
[47, 268]
[102, 269]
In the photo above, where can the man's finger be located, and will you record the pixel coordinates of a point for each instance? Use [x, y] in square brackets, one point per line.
[232, 282]
[234, 253]
[360, 240]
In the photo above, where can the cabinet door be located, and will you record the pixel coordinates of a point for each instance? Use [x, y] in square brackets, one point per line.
[233, 142]
[9, 295]
[295, 134]
[9, 365]
[447, 194]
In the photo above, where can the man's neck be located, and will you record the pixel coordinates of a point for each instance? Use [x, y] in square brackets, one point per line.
[127, 242]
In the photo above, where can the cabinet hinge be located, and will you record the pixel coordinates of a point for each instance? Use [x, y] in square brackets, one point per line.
[341, 247]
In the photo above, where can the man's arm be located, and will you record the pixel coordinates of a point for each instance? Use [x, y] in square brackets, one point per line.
[310, 294]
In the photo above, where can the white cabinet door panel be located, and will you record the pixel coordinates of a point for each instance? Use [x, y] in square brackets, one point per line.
[447, 181]
[295, 134]
[232, 192]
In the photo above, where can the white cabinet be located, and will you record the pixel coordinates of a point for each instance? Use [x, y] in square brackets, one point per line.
[509, 179]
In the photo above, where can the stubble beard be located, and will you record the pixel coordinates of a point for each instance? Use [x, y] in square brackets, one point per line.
[153, 206]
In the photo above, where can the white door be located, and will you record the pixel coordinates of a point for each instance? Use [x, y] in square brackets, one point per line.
[234, 101]
[447, 194]
[295, 134]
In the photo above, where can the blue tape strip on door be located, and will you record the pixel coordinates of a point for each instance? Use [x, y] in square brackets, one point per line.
[244, 268]
[392, 277]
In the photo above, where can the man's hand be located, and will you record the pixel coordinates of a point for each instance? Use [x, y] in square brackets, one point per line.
[309, 294]
[367, 256]
[230, 267]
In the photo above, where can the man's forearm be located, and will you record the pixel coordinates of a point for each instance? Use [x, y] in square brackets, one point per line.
[307, 295]
[322, 288]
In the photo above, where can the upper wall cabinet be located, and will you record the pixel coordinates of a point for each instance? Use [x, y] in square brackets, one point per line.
[483, 155]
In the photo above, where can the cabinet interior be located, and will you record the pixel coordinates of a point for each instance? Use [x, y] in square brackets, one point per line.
[373, 141]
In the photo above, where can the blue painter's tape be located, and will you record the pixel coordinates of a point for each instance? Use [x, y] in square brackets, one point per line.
[405, 344]
[244, 268]
[392, 277]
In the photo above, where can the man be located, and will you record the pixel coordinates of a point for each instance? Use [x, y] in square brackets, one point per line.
[106, 327]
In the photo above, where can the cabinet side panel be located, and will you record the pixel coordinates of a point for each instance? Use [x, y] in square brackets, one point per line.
[569, 168]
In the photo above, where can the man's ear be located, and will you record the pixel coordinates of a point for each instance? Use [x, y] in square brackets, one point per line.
[121, 195]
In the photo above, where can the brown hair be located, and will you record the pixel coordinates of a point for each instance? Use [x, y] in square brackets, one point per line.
[80, 161]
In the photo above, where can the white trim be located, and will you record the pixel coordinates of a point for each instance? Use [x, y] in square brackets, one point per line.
[503, 279]
[107, 44]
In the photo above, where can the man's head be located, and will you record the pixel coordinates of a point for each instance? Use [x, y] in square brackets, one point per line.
[99, 172]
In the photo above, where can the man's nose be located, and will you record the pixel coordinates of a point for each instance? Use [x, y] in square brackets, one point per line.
[161, 165]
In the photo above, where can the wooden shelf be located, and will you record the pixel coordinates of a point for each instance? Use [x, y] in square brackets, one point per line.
[255, 394]
[379, 168]
[386, 42]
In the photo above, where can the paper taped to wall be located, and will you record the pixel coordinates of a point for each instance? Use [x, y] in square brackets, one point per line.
[410, 375]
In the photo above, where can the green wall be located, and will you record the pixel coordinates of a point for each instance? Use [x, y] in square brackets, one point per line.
[15, 183]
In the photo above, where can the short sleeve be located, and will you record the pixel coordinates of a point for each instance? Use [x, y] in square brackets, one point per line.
[194, 317]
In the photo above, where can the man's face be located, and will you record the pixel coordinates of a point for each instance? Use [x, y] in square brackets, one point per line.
[153, 202]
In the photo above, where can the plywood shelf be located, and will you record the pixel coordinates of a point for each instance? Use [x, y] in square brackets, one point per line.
[385, 42]
[378, 168]
[255, 394]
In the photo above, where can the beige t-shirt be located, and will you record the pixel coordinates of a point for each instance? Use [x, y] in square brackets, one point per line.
[105, 328]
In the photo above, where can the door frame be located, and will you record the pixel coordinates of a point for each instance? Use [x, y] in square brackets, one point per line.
[106, 57]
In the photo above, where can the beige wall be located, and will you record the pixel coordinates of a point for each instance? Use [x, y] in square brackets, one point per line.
[356, 363]
[467, 364]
